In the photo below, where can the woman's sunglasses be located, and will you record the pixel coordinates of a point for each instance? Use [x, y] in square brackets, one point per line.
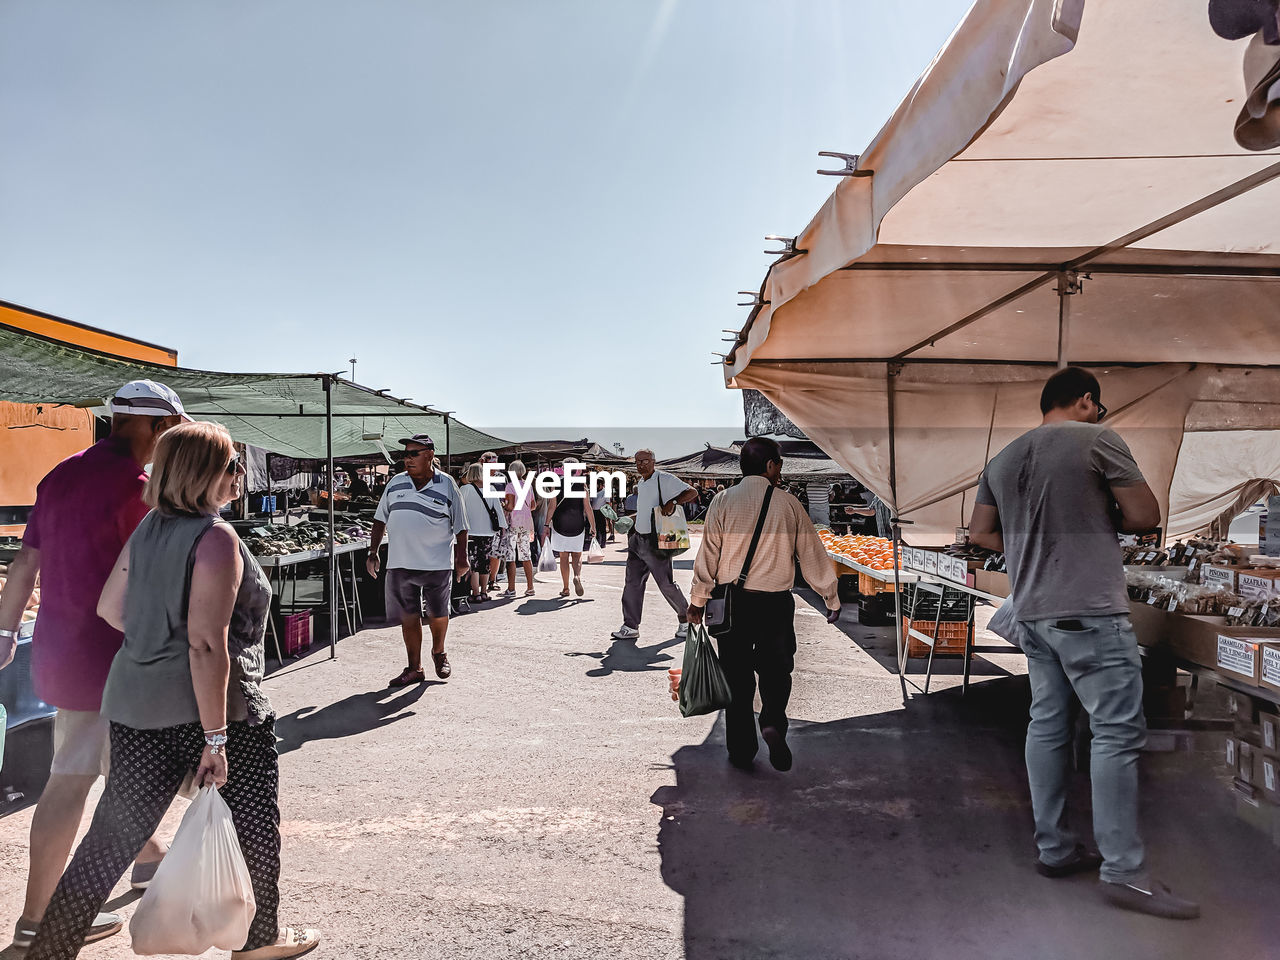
[234, 466]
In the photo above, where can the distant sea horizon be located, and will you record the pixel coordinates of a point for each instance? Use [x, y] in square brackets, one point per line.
[665, 442]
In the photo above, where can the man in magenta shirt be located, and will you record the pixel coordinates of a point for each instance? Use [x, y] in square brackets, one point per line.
[85, 510]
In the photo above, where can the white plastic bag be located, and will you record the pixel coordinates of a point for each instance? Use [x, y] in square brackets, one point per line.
[673, 531]
[547, 558]
[595, 553]
[201, 895]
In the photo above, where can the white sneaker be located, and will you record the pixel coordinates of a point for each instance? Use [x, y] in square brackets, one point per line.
[682, 631]
[625, 633]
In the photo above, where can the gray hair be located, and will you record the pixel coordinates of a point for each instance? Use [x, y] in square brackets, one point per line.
[518, 468]
[645, 450]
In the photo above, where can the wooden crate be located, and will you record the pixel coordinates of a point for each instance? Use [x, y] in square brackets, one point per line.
[950, 641]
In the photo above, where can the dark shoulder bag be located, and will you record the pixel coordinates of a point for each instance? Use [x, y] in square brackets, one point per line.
[719, 615]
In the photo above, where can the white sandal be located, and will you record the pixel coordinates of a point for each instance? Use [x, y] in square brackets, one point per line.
[290, 943]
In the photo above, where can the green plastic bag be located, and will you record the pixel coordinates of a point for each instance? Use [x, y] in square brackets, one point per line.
[609, 513]
[703, 685]
[624, 524]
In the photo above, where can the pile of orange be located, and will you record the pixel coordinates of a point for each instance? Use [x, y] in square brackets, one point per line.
[873, 552]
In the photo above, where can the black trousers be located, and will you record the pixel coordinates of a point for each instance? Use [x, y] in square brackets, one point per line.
[763, 644]
[147, 768]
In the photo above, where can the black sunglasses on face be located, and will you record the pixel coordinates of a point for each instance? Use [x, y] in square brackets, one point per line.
[234, 465]
[1102, 411]
[415, 453]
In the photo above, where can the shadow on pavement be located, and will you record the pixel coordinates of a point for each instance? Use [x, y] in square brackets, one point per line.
[880, 644]
[626, 656]
[908, 834]
[356, 714]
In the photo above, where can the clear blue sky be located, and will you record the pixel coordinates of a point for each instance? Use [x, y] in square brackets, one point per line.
[532, 212]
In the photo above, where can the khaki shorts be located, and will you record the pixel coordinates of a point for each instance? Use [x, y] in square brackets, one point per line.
[81, 744]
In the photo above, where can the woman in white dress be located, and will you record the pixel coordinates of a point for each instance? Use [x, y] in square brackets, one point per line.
[571, 522]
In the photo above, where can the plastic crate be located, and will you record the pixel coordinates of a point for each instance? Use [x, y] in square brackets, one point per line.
[949, 638]
[297, 633]
[870, 585]
[876, 610]
[17, 689]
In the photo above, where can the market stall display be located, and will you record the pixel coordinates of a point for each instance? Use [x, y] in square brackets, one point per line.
[32, 608]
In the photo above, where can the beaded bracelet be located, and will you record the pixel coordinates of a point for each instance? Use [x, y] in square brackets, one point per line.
[216, 742]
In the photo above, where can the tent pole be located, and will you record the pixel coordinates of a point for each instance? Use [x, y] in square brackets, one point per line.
[448, 447]
[893, 370]
[1068, 284]
[333, 579]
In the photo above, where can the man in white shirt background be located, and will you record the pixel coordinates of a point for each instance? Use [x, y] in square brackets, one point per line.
[656, 488]
[427, 549]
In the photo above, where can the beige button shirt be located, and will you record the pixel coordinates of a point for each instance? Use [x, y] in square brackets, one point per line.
[788, 535]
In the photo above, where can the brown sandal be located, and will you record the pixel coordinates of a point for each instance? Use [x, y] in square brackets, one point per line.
[442, 665]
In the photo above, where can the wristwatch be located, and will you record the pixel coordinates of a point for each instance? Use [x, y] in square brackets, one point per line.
[8, 634]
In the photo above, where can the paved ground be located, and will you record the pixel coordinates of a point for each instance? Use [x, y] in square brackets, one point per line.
[549, 801]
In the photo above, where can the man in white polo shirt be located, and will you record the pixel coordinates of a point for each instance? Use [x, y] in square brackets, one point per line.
[656, 489]
[422, 509]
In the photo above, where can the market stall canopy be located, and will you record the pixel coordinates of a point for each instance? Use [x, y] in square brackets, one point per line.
[553, 451]
[1061, 185]
[283, 413]
[801, 461]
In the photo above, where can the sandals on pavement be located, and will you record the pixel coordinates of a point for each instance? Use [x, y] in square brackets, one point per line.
[290, 943]
[442, 665]
[104, 925]
[530, 592]
[410, 675]
[564, 592]
[577, 586]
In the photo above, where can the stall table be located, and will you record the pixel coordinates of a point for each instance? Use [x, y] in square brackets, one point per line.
[285, 568]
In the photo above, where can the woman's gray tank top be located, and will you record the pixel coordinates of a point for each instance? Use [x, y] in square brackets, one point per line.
[149, 686]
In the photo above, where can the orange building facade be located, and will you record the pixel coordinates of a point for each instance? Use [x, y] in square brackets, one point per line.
[35, 437]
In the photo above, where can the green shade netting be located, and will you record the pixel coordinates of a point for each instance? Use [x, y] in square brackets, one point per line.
[283, 413]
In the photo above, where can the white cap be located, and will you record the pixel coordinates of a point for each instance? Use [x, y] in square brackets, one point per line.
[146, 398]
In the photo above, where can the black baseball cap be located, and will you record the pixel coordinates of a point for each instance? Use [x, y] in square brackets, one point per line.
[420, 438]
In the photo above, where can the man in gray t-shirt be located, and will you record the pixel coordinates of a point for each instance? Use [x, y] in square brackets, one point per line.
[1053, 501]
[1053, 489]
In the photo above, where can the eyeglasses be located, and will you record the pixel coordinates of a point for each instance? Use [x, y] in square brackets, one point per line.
[415, 453]
[1102, 411]
[234, 466]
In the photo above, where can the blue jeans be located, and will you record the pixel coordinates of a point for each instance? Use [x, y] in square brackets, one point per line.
[1097, 659]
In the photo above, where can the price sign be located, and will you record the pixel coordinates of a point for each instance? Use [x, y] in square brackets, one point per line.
[930, 562]
[1218, 575]
[1271, 664]
[1237, 656]
[1254, 587]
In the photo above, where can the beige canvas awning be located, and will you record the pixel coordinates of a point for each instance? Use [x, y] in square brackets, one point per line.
[1061, 184]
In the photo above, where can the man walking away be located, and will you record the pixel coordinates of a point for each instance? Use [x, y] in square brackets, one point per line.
[763, 640]
[1047, 501]
[656, 488]
[85, 510]
[422, 511]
